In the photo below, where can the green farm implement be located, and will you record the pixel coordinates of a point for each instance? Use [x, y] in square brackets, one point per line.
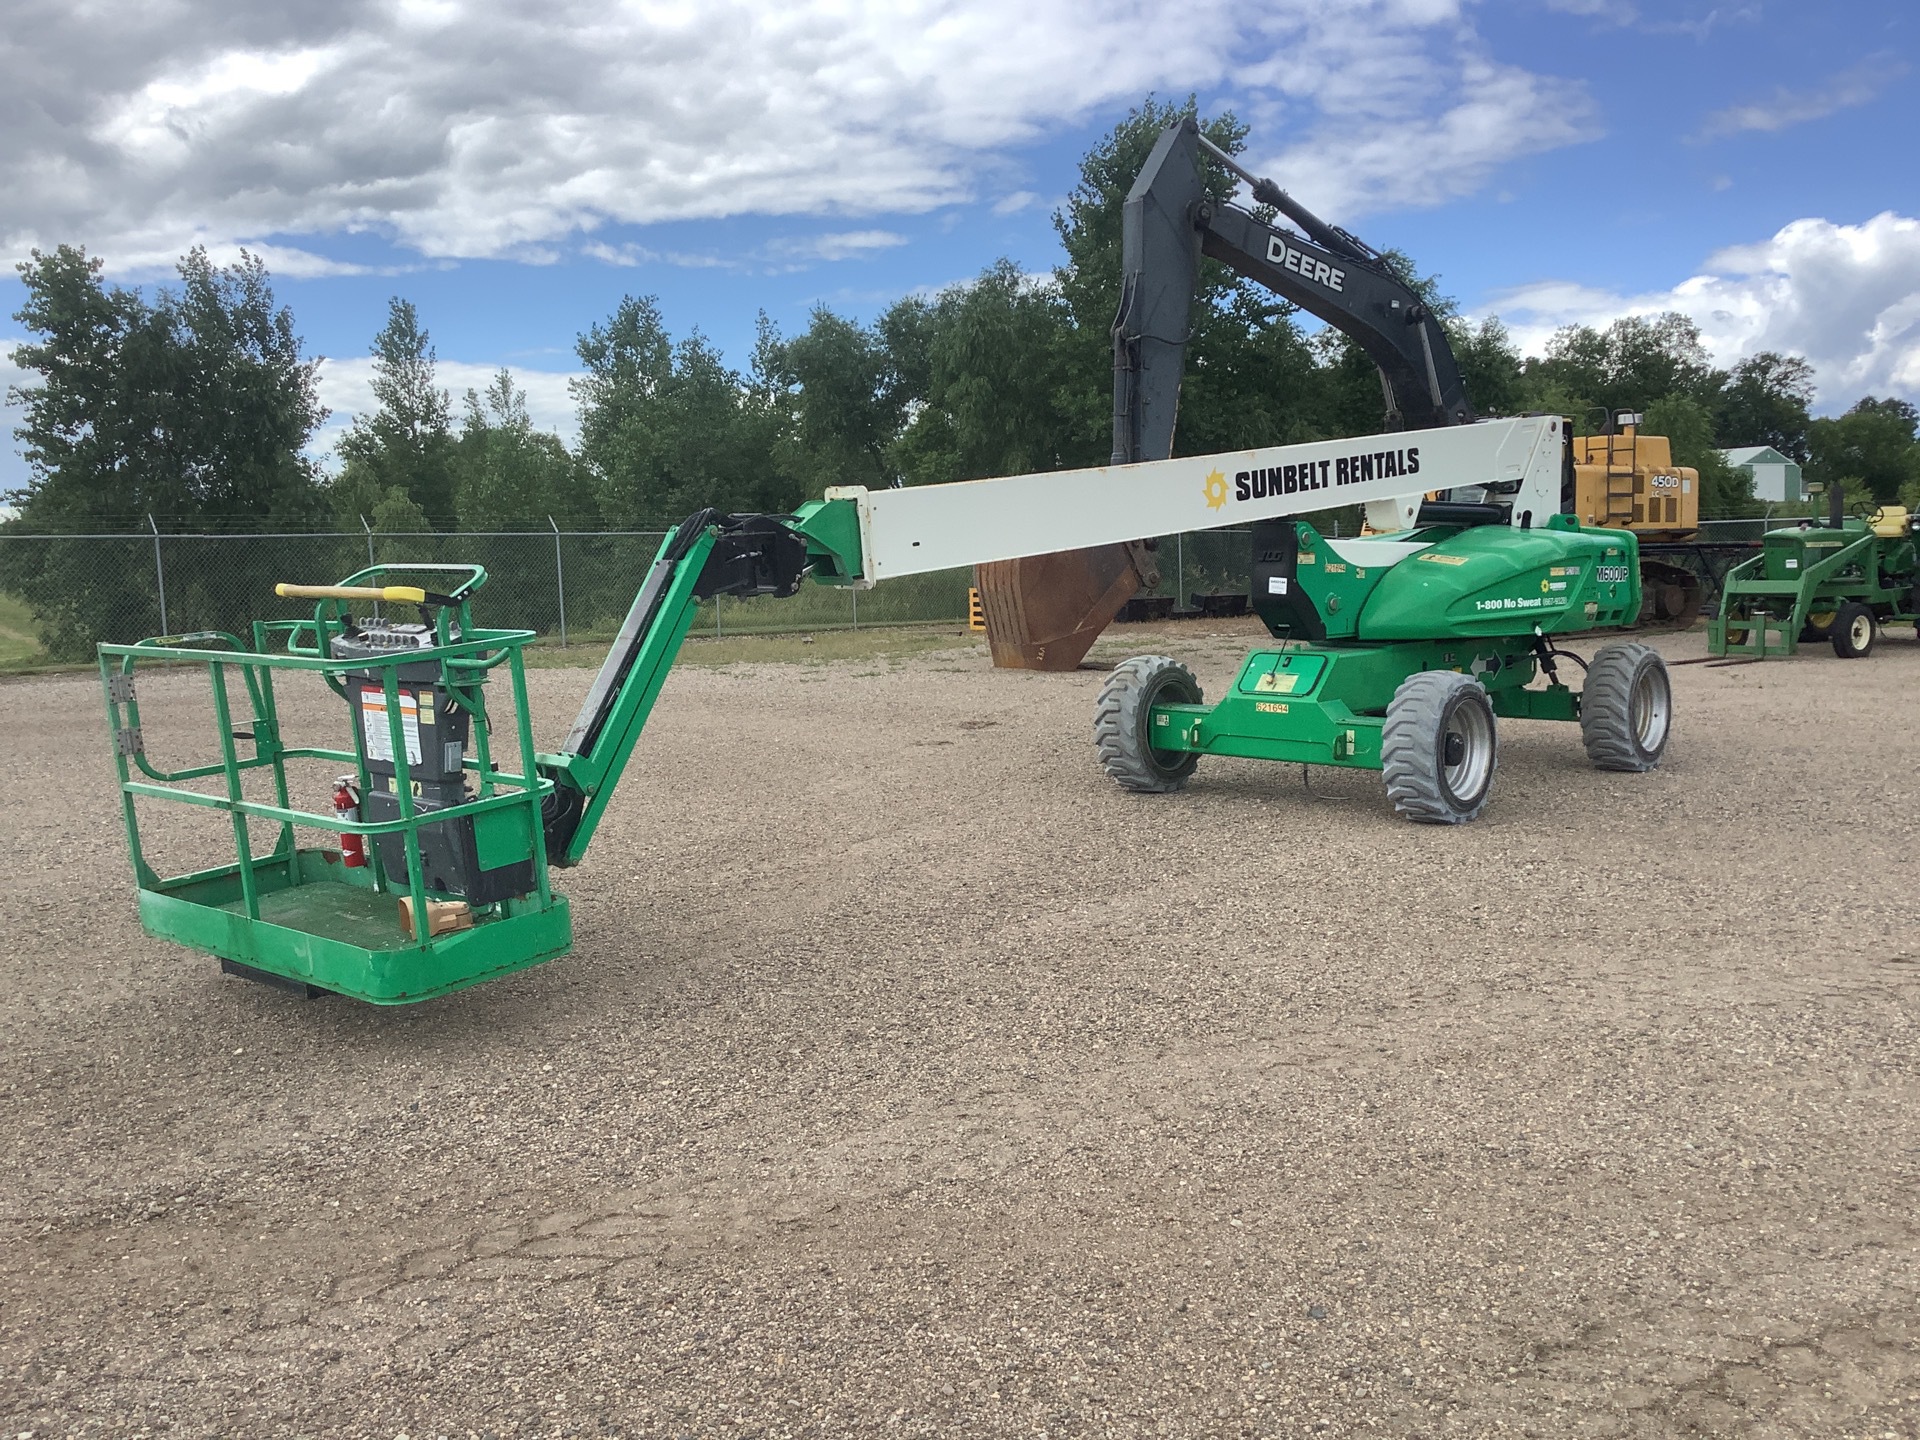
[1840, 582]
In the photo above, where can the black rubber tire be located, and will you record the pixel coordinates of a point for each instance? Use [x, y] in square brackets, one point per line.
[1854, 631]
[1123, 717]
[1427, 709]
[1626, 708]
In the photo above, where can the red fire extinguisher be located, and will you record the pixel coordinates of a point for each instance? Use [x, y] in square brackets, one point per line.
[346, 806]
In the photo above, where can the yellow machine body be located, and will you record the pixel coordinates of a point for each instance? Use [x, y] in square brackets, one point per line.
[1628, 481]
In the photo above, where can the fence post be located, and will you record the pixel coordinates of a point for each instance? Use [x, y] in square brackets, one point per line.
[159, 575]
[371, 562]
[854, 595]
[1180, 570]
[559, 582]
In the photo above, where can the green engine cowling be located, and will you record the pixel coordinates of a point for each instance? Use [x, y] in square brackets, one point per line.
[1444, 582]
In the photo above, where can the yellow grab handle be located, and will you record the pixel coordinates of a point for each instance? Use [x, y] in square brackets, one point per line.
[398, 594]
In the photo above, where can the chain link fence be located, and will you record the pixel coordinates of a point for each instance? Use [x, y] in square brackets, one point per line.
[62, 594]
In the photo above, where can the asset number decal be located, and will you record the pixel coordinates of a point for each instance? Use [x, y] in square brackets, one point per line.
[1611, 574]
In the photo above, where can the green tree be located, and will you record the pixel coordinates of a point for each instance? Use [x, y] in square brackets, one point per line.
[510, 476]
[406, 444]
[1490, 364]
[1765, 403]
[850, 399]
[193, 407]
[1251, 378]
[1627, 366]
[1725, 493]
[997, 362]
[1871, 446]
[666, 428]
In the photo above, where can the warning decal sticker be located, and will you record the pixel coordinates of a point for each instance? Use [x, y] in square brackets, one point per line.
[373, 724]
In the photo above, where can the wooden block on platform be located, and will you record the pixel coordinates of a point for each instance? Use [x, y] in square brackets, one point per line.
[443, 916]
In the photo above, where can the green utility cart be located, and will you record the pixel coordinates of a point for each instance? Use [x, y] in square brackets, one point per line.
[454, 836]
[1841, 582]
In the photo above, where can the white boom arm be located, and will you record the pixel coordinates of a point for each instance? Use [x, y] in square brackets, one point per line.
[971, 522]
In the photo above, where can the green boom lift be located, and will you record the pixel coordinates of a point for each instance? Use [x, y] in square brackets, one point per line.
[1397, 652]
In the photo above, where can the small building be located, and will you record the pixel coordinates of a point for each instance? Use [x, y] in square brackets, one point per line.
[1774, 476]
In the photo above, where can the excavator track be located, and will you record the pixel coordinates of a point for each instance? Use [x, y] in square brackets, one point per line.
[1670, 595]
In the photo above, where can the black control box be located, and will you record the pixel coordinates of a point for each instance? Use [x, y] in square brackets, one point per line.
[433, 737]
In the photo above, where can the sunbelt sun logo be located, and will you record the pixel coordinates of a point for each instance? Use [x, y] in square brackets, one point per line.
[1216, 489]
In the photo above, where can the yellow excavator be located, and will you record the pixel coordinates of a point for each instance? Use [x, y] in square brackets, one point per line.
[1044, 612]
[1628, 481]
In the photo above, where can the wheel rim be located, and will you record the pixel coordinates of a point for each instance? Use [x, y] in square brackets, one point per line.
[1652, 708]
[1860, 632]
[1822, 621]
[1472, 727]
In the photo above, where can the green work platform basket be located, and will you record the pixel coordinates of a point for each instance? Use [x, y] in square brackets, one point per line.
[305, 917]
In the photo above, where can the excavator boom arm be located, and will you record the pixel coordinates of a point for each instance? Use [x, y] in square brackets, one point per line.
[1170, 220]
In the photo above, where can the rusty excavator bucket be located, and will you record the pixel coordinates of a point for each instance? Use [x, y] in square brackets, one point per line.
[1044, 612]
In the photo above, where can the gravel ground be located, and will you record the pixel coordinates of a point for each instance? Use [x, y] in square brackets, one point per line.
[908, 1078]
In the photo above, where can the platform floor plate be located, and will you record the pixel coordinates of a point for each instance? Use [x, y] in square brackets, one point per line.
[352, 914]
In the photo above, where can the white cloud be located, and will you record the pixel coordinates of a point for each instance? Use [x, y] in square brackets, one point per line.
[1623, 13]
[492, 129]
[288, 261]
[1795, 105]
[1372, 91]
[780, 253]
[346, 388]
[1016, 202]
[848, 245]
[1846, 297]
[630, 255]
